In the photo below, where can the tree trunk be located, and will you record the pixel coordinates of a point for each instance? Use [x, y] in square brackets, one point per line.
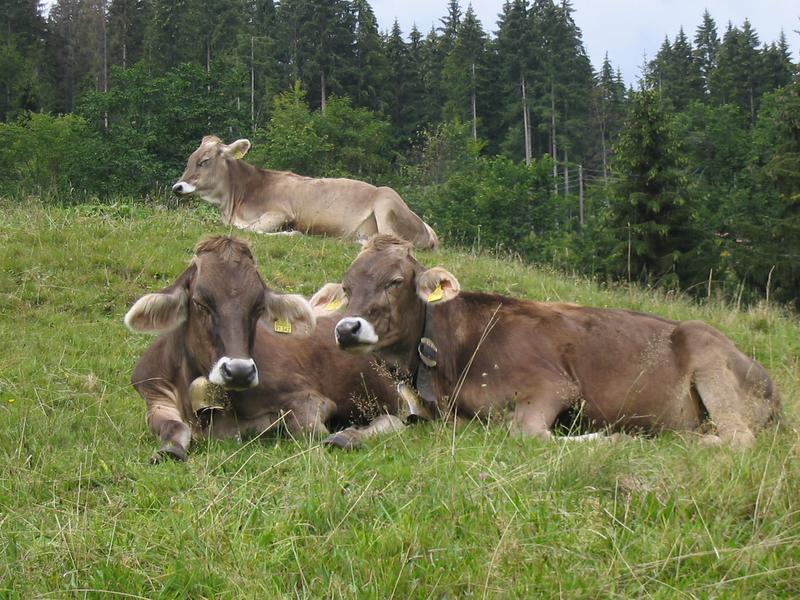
[323, 96]
[553, 136]
[474, 111]
[252, 87]
[580, 193]
[525, 123]
[104, 8]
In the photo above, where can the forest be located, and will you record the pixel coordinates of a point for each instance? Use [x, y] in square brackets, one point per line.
[501, 135]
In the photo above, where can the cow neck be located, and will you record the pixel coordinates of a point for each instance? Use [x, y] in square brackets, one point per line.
[228, 208]
[426, 360]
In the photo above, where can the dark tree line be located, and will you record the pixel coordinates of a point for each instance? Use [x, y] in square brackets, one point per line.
[690, 178]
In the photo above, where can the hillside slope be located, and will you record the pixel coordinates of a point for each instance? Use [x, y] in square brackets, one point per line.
[435, 513]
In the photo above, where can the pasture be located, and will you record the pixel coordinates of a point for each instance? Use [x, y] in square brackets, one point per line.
[439, 512]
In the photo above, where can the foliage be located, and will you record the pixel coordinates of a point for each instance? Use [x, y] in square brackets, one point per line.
[42, 154]
[154, 123]
[768, 216]
[652, 226]
[434, 512]
[339, 141]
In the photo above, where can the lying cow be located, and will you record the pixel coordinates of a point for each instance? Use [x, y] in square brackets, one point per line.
[221, 324]
[477, 354]
[277, 201]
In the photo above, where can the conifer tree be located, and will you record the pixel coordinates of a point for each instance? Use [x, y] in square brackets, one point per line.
[370, 65]
[127, 20]
[706, 46]
[463, 67]
[25, 79]
[651, 223]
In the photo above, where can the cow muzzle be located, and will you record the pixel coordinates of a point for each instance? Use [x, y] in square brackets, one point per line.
[182, 188]
[355, 334]
[234, 373]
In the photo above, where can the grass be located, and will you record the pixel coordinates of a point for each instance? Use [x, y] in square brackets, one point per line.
[432, 513]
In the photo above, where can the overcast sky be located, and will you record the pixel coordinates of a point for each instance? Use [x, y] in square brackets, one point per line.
[626, 29]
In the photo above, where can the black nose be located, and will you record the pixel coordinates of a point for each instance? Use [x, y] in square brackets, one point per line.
[347, 332]
[238, 373]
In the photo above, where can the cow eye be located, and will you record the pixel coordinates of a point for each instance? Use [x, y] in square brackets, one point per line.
[203, 162]
[394, 283]
[201, 307]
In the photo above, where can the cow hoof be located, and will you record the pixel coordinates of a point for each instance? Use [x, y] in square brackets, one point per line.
[341, 441]
[169, 451]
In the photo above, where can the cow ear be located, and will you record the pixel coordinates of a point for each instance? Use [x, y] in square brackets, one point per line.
[164, 310]
[288, 313]
[237, 149]
[328, 300]
[437, 285]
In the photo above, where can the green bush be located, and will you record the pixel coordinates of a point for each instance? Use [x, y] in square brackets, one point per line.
[40, 153]
[337, 142]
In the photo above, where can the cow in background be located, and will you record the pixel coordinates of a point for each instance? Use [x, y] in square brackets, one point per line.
[272, 362]
[475, 354]
[277, 201]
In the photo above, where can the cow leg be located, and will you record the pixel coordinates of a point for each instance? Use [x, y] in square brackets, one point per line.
[386, 219]
[166, 422]
[269, 222]
[352, 437]
[305, 413]
[722, 397]
[535, 413]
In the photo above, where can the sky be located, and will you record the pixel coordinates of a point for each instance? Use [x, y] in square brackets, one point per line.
[626, 29]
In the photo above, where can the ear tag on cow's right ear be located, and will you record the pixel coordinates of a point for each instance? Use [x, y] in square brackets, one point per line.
[437, 294]
[334, 304]
[281, 326]
[238, 154]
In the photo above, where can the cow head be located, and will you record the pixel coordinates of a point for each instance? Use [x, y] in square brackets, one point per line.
[385, 291]
[206, 169]
[218, 301]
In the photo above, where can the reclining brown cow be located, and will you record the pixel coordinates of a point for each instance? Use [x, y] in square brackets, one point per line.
[276, 201]
[477, 354]
[221, 324]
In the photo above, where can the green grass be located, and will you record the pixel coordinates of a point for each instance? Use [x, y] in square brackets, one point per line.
[432, 513]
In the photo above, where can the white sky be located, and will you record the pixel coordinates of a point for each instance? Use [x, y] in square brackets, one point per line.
[626, 29]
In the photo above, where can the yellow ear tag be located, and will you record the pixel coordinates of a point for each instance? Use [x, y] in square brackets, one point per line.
[238, 154]
[333, 305]
[282, 326]
[437, 294]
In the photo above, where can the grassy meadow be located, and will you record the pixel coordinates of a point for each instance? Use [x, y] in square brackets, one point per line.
[436, 512]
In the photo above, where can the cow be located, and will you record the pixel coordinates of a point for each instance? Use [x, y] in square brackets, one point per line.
[268, 201]
[479, 354]
[234, 357]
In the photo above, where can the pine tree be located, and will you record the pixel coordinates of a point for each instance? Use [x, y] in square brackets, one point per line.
[462, 69]
[371, 66]
[706, 46]
[514, 55]
[610, 109]
[172, 34]
[651, 223]
[127, 20]
[25, 79]
[736, 78]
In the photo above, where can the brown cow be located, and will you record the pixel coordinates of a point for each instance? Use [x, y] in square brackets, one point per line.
[477, 354]
[277, 201]
[220, 323]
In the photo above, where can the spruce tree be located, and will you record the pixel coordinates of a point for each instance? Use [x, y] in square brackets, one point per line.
[706, 46]
[651, 223]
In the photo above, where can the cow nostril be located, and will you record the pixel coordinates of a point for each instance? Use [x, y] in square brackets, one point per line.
[226, 371]
[355, 327]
